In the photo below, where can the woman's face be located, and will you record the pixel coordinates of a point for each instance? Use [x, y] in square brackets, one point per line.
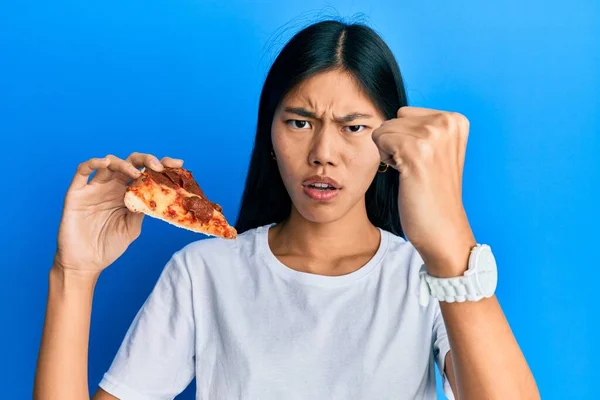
[323, 128]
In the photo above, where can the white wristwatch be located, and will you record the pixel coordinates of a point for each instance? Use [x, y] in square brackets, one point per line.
[479, 281]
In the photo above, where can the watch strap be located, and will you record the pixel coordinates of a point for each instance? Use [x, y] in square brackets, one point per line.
[449, 290]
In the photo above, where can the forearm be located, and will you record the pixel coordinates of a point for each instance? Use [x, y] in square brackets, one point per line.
[62, 365]
[487, 361]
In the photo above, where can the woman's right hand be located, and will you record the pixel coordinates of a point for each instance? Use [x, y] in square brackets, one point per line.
[96, 227]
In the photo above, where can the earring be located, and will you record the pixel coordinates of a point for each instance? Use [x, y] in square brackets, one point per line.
[273, 155]
[382, 167]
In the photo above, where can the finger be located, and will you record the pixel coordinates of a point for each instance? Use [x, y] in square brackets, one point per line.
[408, 111]
[397, 158]
[171, 162]
[116, 168]
[395, 131]
[387, 146]
[104, 174]
[145, 160]
[85, 169]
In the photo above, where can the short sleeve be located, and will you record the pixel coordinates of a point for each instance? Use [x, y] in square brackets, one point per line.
[156, 358]
[441, 347]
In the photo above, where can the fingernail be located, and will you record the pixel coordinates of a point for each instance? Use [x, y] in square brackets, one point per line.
[157, 164]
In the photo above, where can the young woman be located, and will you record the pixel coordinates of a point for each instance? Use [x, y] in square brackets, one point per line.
[318, 297]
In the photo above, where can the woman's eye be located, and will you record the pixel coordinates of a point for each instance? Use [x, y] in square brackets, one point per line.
[355, 128]
[298, 123]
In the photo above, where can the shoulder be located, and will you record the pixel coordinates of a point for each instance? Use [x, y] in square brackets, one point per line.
[207, 248]
[403, 261]
[217, 255]
[402, 254]
[406, 261]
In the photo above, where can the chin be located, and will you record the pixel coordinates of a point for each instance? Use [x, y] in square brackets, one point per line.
[320, 213]
[320, 219]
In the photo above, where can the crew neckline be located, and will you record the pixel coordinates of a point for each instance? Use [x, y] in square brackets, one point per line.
[314, 279]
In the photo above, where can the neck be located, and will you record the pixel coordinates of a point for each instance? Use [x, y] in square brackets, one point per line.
[324, 244]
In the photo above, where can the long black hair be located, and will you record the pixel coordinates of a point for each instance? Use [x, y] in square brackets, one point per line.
[324, 46]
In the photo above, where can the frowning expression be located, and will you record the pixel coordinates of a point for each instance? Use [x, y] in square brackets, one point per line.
[323, 128]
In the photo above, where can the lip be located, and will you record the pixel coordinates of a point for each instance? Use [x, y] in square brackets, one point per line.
[321, 179]
[320, 195]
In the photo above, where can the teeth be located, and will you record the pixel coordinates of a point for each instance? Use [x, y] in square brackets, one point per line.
[321, 185]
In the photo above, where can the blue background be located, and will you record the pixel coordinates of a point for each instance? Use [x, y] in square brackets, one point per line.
[178, 77]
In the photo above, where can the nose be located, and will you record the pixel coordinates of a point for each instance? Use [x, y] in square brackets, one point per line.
[323, 149]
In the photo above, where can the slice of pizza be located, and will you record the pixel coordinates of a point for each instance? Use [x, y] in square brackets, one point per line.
[173, 195]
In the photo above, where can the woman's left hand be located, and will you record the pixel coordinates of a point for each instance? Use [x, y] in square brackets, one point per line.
[428, 149]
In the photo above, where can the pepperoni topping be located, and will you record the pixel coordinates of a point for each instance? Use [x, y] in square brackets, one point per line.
[200, 208]
[175, 178]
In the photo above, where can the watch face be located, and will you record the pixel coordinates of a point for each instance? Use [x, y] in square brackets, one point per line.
[487, 272]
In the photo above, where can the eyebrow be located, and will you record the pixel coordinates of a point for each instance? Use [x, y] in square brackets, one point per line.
[303, 112]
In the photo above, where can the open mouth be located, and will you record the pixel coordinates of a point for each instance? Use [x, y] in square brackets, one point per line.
[321, 186]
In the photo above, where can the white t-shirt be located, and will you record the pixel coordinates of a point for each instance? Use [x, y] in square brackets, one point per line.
[248, 327]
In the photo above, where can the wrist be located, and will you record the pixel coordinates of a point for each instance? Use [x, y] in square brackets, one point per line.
[67, 278]
[447, 268]
[451, 263]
